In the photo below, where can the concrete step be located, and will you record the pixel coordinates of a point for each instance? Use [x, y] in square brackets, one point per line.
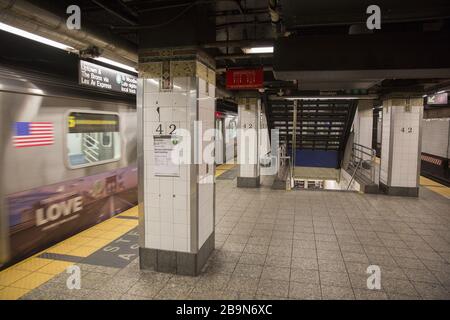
[367, 185]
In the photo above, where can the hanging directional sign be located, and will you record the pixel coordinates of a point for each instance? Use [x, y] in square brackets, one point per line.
[439, 98]
[94, 75]
[245, 78]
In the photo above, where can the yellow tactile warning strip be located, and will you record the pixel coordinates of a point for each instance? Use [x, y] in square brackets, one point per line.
[221, 169]
[19, 279]
[431, 185]
[435, 187]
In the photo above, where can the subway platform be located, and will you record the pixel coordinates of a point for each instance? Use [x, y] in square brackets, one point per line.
[269, 245]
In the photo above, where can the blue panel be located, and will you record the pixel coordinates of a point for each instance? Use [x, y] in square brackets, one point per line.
[22, 129]
[77, 159]
[316, 158]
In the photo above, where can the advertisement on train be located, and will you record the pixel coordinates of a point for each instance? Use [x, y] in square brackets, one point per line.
[46, 215]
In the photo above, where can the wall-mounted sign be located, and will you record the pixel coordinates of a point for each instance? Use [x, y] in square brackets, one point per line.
[165, 165]
[439, 98]
[94, 75]
[245, 78]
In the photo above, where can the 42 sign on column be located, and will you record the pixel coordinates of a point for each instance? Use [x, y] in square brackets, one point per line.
[172, 128]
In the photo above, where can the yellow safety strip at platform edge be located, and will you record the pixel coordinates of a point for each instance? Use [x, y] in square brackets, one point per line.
[430, 184]
[435, 187]
[19, 279]
[223, 168]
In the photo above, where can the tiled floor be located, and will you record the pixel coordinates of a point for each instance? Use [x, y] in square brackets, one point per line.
[297, 245]
[20, 279]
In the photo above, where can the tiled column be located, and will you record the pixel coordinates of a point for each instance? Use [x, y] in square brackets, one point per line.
[249, 111]
[401, 146]
[176, 107]
[364, 125]
[265, 147]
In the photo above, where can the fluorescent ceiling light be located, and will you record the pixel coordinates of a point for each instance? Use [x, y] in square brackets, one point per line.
[115, 63]
[440, 92]
[258, 50]
[35, 37]
[322, 98]
[55, 44]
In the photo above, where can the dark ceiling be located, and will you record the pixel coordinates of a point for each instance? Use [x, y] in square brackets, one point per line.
[240, 21]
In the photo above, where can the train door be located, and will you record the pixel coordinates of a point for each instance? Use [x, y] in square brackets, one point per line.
[106, 145]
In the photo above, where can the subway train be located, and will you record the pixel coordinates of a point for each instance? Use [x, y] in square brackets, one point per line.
[67, 161]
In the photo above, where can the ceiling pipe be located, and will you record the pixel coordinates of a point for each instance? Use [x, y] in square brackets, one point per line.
[241, 23]
[28, 17]
[228, 13]
[239, 5]
[266, 68]
[127, 9]
[122, 17]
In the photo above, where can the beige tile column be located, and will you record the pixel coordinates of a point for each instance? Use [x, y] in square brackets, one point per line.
[401, 146]
[176, 109]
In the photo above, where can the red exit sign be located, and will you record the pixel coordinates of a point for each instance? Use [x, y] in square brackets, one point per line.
[245, 78]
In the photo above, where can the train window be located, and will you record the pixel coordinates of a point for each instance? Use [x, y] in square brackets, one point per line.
[107, 139]
[93, 139]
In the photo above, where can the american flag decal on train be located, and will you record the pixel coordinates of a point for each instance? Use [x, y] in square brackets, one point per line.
[33, 134]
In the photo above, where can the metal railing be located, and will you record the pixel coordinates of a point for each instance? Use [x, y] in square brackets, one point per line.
[285, 169]
[363, 162]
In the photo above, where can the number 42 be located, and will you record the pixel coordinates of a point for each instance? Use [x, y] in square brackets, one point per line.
[172, 128]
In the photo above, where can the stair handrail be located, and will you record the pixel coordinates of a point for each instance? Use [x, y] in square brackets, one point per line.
[285, 168]
[358, 154]
[354, 173]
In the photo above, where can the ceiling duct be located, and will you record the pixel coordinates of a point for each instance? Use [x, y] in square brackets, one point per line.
[342, 61]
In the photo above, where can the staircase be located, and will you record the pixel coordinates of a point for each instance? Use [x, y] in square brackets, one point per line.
[321, 131]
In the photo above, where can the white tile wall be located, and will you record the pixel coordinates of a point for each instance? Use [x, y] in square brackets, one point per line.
[247, 141]
[206, 109]
[167, 216]
[384, 167]
[435, 137]
[405, 144]
[365, 132]
[264, 143]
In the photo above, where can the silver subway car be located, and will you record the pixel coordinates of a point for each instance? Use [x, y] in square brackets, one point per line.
[67, 161]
